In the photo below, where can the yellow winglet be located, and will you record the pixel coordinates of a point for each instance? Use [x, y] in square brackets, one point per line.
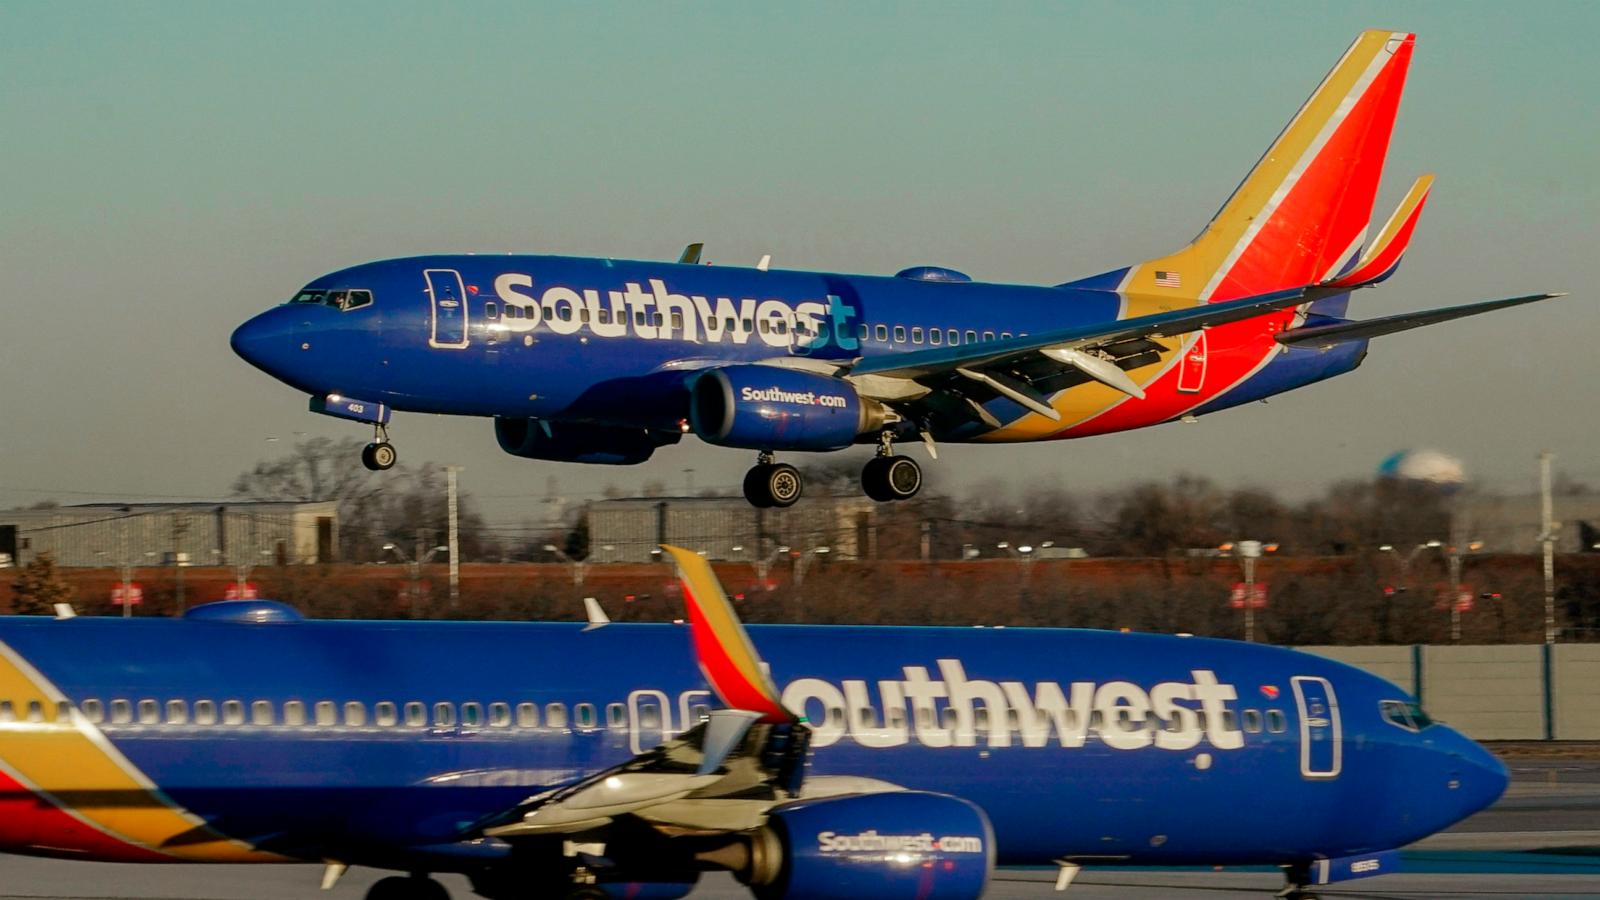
[721, 646]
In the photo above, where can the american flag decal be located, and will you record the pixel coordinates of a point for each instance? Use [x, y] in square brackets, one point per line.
[1168, 279]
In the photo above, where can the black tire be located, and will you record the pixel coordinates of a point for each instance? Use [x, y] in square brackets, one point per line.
[384, 456]
[367, 458]
[395, 887]
[875, 480]
[903, 477]
[784, 485]
[755, 487]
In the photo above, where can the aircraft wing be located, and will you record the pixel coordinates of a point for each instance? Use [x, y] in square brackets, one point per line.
[1330, 334]
[1013, 367]
[720, 775]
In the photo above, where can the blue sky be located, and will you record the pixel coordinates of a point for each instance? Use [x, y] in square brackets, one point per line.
[168, 169]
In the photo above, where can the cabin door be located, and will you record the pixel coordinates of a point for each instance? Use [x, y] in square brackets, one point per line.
[1321, 738]
[447, 301]
[1192, 368]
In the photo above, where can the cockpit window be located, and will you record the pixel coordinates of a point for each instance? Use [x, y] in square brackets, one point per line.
[1404, 714]
[343, 300]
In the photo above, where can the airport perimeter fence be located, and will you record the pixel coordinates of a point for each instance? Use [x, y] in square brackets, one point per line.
[1540, 692]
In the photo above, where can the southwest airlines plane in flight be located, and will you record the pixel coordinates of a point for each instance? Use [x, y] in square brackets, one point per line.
[563, 760]
[604, 360]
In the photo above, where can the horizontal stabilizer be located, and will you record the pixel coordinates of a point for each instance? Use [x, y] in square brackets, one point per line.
[1329, 335]
[1382, 258]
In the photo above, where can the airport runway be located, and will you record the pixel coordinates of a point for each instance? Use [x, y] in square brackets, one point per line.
[1542, 840]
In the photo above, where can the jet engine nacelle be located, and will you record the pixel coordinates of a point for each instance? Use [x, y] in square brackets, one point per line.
[904, 844]
[577, 442]
[771, 408]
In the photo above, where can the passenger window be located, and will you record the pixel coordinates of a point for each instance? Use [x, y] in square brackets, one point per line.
[583, 315]
[895, 718]
[916, 335]
[385, 714]
[1230, 721]
[1276, 723]
[699, 712]
[36, 712]
[444, 715]
[614, 715]
[955, 337]
[121, 712]
[262, 713]
[899, 334]
[649, 715]
[583, 715]
[935, 336]
[863, 331]
[500, 715]
[980, 716]
[63, 711]
[947, 718]
[527, 715]
[205, 712]
[972, 336]
[232, 712]
[924, 717]
[527, 311]
[327, 716]
[565, 313]
[881, 332]
[93, 710]
[766, 326]
[416, 715]
[355, 714]
[677, 320]
[358, 299]
[555, 715]
[656, 320]
[604, 316]
[491, 310]
[988, 335]
[149, 712]
[177, 712]
[8, 713]
[1252, 721]
[749, 324]
[780, 326]
[472, 715]
[294, 713]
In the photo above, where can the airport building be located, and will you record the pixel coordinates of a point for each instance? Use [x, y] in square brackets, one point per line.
[729, 528]
[199, 534]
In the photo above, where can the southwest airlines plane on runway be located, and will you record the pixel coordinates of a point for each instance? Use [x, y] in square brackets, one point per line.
[574, 761]
[603, 361]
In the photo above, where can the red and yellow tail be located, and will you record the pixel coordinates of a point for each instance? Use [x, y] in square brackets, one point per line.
[1302, 213]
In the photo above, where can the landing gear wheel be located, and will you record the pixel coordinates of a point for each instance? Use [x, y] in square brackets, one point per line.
[773, 485]
[755, 489]
[887, 478]
[399, 887]
[379, 457]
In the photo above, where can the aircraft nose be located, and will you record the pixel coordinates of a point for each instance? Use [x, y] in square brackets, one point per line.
[1484, 777]
[266, 341]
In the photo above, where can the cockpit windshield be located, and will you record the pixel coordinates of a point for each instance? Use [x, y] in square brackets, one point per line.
[341, 300]
[1405, 714]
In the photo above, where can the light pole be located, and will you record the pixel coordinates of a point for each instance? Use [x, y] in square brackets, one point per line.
[1024, 553]
[1455, 553]
[579, 567]
[415, 566]
[1248, 552]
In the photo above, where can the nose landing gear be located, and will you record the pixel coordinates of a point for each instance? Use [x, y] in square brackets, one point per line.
[888, 477]
[771, 484]
[380, 455]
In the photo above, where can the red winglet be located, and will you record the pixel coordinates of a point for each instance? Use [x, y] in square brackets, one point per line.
[721, 646]
[1383, 256]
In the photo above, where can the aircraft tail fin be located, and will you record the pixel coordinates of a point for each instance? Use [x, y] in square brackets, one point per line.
[1301, 214]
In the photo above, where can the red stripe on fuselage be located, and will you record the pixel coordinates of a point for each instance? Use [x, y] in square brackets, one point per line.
[32, 825]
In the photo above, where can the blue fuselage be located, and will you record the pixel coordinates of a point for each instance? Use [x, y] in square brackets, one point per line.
[386, 742]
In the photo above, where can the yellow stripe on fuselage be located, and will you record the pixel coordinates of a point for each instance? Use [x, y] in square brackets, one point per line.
[78, 769]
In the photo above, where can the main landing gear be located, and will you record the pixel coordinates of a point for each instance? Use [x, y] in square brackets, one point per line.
[772, 484]
[379, 455]
[888, 477]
